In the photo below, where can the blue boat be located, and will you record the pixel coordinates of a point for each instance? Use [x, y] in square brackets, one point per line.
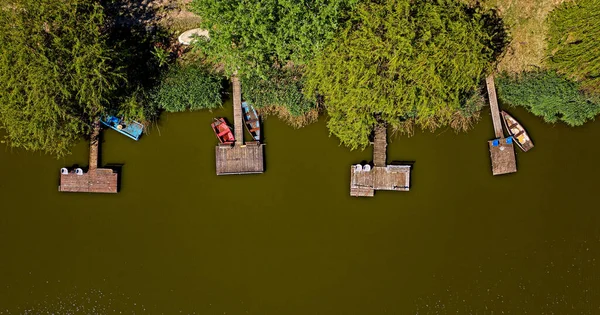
[132, 129]
[251, 120]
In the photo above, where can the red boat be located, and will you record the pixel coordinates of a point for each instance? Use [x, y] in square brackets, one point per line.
[223, 131]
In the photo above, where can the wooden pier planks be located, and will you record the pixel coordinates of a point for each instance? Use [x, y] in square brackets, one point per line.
[491, 88]
[238, 120]
[95, 180]
[363, 183]
[380, 145]
[238, 160]
[503, 157]
[392, 177]
[100, 180]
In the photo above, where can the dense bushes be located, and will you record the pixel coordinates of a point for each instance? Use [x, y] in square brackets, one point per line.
[548, 95]
[251, 36]
[280, 92]
[188, 88]
[574, 31]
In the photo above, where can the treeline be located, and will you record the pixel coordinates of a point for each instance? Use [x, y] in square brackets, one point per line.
[408, 63]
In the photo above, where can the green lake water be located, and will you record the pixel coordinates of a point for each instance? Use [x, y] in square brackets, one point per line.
[179, 239]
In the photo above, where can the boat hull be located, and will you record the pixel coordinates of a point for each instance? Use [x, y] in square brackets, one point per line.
[518, 132]
[223, 131]
[251, 120]
[131, 129]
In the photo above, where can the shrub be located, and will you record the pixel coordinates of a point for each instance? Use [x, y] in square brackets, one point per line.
[188, 88]
[280, 93]
[549, 95]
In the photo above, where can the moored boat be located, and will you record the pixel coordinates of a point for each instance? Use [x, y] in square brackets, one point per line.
[223, 131]
[131, 129]
[516, 130]
[251, 120]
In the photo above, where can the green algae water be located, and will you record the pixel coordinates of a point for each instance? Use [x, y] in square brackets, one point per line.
[179, 239]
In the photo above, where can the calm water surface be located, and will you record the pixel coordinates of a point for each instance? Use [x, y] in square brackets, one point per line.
[179, 239]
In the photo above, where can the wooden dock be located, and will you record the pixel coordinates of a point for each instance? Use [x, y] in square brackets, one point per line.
[239, 159]
[365, 180]
[502, 153]
[95, 180]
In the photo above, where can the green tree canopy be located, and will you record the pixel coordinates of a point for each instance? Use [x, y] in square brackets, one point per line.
[55, 72]
[407, 62]
[574, 32]
[251, 36]
[549, 95]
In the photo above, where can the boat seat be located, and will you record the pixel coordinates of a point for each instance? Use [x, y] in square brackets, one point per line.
[222, 133]
[251, 120]
[519, 133]
[513, 126]
[254, 129]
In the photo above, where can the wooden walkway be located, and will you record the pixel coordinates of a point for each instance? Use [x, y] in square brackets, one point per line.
[364, 180]
[502, 153]
[491, 88]
[380, 145]
[95, 180]
[239, 159]
[238, 121]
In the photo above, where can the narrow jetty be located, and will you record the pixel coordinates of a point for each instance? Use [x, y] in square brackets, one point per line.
[239, 158]
[364, 179]
[502, 151]
[95, 180]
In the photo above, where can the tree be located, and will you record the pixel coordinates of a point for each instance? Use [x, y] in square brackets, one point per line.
[549, 95]
[573, 42]
[56, 72]
[408, 63]
[251, 36]
[188, 88]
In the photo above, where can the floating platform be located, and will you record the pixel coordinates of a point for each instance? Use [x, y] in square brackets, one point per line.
[240, 159]
[503, 158]
[95, 180]
[363, 183]
[100, 180]
[364, 180]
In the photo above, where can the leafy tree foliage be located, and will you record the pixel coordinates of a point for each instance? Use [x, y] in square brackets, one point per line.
[251, 36]
[188, 88]
[281, 89]
[55, 72]
[573, 46]
[549, 95]
[406, 62]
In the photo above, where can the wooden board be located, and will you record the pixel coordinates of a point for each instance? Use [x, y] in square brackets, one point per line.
[391, 177]
[100, 180]
[233, 160]
[503, 157]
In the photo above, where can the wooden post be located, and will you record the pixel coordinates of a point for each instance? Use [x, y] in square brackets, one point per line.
[237, 111]
[94, 143]
[491, 88]
[380, 145]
